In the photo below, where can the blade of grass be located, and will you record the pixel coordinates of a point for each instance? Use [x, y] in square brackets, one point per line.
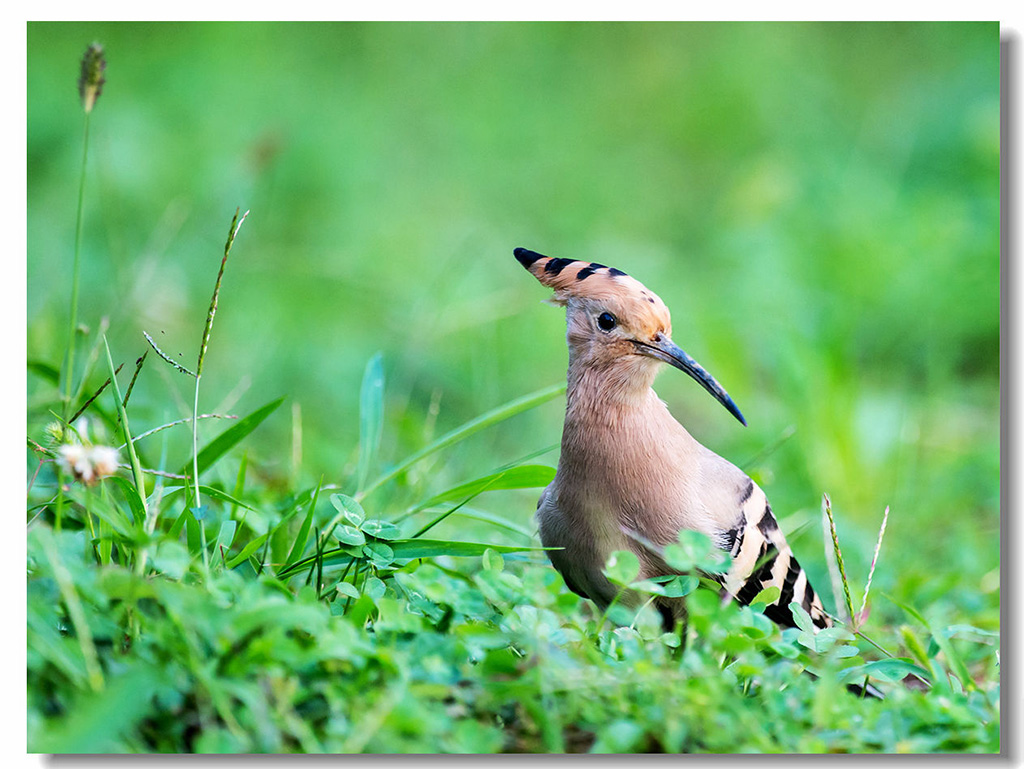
[874, 561]
[131, 496]
[531, 474]
[140, 482]
[240, 483]
[495, 520]
[953, 659]
[521, 477]
[303, 537]
[410, 549]
[462, 432]
[371, 417]
[44, 370]
[826, 505]
[220, 445]
[246, 551]
[211, 312]
[215, 493]
[296, 441]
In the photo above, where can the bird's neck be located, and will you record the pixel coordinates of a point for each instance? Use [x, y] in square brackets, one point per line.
[614, 425]
[609, 394]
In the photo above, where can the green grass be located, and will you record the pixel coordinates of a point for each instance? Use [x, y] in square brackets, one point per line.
[349, 562]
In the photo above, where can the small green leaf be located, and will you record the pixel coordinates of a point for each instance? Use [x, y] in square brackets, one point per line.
[802, 618]
[758, 625]
[679, 586]
[892, 670]
[350, 535]
[374, 587]
[767, 596]
[380, 555]
[784, 649]
[350, 509]
[693, 551]
[647, 586]
[380, 529]
[622, 567]
[826, 638]
[492, 560]
[171, 558]
[347, 589]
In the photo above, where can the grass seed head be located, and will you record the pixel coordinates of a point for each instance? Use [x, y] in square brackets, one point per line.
[90, 82]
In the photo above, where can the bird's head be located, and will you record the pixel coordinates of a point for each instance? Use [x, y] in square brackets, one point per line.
[617, 328]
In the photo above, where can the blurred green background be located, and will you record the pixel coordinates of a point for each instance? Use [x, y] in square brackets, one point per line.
[818, 204]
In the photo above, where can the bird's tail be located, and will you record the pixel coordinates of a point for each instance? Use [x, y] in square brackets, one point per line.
[762, 558]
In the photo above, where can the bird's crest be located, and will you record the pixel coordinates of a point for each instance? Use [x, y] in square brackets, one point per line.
[570, 277]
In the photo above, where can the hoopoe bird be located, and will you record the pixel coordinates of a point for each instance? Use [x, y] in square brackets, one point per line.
[630, 474]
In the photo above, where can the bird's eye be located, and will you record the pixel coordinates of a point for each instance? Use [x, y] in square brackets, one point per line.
[606, 321]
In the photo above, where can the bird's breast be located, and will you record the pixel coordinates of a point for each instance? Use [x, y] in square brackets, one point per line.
[629, 469]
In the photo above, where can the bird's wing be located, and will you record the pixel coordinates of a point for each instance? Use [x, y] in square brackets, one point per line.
[747, 529]
[762, 557]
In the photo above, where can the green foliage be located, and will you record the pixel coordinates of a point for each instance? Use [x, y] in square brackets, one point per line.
[445, 659]
[370, 580]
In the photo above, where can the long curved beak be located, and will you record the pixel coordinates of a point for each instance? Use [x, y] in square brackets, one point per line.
[664, 349]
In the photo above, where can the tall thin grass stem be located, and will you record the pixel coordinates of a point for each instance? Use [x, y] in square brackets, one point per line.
[149, 521]
[874, 561]
[236, 224]
[69, 372]
[827, 506]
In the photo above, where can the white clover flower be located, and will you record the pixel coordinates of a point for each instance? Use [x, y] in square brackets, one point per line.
[87, 463]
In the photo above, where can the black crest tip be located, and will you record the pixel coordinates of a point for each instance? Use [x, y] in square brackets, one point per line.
[527, 257]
